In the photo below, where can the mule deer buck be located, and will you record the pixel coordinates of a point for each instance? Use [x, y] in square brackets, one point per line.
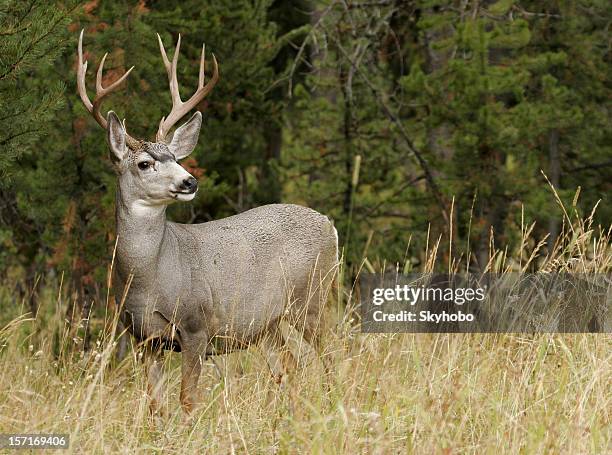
[203, 288]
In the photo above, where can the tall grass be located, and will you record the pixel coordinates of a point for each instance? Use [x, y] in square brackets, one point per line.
[382, 393]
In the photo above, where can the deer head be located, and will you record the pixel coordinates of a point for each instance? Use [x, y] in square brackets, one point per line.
[149, 172]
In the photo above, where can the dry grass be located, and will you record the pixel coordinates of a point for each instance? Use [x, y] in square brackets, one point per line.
[420, 393]
[425, 393]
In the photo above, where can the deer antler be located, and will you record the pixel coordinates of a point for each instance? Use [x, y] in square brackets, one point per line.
[101, 92]
[180, 108]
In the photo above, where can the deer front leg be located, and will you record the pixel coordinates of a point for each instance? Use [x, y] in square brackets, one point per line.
[191, 367]
[122, 342]
[155, 379]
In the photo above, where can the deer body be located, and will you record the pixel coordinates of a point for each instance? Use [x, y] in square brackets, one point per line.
[224, 283]
[232, 278]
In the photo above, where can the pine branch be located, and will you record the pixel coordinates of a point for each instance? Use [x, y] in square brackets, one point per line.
[429, 177]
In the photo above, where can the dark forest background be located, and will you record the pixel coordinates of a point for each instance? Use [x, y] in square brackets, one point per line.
[402, 120]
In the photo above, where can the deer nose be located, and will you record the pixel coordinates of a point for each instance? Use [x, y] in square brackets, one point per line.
[190, 185]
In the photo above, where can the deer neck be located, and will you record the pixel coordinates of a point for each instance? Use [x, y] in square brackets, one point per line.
[140, 230]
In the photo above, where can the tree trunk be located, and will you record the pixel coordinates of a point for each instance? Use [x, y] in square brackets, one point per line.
[555, 177]
[269, 177]
[438, 137]
[31, 285]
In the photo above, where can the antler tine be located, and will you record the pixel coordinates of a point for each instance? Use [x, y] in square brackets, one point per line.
[171, 70]
[101, 92]
[180, 108]
[176, 96]
[104, 91]
[202, 63]
[81, 70]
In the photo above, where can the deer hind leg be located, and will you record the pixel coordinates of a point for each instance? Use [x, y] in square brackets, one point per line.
[311, 323]
[153, 359]
[277, 354]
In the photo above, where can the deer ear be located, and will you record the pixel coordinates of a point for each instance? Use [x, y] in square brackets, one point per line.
[185, 137]
[116, 137]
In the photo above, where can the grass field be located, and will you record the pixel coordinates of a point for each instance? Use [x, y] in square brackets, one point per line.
[386, 393]
[383, 393]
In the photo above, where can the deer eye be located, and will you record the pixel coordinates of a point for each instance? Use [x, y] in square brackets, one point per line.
[144, 165]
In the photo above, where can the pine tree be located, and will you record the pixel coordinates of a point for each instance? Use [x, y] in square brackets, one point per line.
[32, 36]
[515, 94]
[344, 155]
[470, 102]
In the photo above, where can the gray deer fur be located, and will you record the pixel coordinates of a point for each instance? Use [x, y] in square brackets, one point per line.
[224, 283]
